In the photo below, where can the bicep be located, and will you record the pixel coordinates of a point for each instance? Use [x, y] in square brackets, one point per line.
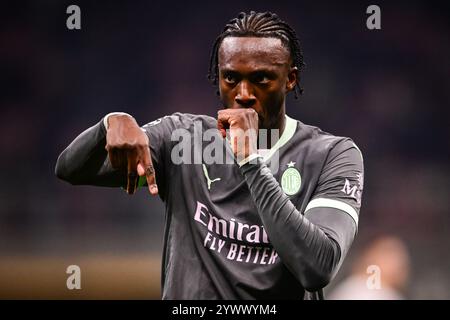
[336, 202]
[341, 182]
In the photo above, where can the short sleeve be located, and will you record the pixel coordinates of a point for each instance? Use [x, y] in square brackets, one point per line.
[340, 184]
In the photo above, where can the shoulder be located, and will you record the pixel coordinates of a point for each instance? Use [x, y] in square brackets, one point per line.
[323, 144]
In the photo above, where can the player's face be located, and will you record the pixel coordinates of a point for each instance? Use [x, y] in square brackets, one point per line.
[256, 73]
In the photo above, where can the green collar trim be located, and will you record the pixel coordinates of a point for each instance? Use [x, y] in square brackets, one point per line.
[288, 133]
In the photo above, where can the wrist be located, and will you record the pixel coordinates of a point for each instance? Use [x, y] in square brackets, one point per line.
[111, 119]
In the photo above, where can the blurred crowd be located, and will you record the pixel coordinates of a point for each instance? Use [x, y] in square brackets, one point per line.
[387, 89]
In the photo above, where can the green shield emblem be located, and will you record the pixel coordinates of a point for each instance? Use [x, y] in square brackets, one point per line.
[291, 180]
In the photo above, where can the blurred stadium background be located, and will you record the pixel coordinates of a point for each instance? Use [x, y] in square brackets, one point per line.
[388, 90]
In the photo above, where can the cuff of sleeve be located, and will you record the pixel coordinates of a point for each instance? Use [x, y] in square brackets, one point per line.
[249, 159]
[105, 119]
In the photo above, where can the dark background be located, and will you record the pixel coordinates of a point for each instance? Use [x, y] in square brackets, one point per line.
[388, 89]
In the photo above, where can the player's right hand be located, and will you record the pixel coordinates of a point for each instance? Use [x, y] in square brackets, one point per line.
[129, 147]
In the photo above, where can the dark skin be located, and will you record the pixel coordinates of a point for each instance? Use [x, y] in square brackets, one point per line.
[255, 74]
[129, 147]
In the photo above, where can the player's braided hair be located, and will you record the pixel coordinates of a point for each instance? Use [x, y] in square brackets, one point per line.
[261, 24]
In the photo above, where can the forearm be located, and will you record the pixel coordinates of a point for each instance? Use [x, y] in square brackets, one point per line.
[303, 247]
[85, 160]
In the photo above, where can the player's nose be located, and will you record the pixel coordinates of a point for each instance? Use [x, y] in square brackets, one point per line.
[244, 97]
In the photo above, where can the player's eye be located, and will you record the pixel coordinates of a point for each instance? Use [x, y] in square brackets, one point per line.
[230, 79]
[261, 78]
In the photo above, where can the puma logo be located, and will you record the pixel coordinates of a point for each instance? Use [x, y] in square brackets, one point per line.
[208, 180]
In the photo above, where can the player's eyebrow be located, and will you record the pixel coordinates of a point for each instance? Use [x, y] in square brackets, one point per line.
[228, 71]
[265, 71]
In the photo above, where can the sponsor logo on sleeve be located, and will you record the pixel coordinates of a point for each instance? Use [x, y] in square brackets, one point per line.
[354, 190]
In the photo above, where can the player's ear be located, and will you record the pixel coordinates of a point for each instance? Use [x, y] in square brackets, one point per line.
[292, 79]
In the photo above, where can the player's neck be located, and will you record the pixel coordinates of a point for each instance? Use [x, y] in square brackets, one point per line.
[272, 137]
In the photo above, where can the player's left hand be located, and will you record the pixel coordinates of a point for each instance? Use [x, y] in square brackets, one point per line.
[243, 125]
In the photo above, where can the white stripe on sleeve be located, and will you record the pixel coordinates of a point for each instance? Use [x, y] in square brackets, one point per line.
[330, 203]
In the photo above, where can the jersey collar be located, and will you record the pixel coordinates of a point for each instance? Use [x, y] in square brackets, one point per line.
[288, 133]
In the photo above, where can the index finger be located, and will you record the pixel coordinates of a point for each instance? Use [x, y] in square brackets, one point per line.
[222, 122]
[145, 167]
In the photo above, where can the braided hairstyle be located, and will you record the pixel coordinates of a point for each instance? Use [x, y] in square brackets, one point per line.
[261, 24]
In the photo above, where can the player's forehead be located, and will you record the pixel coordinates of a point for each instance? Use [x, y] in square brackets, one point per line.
[267, 51]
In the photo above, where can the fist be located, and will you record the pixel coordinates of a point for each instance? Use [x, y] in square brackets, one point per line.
[243, 128]
[128, 147]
